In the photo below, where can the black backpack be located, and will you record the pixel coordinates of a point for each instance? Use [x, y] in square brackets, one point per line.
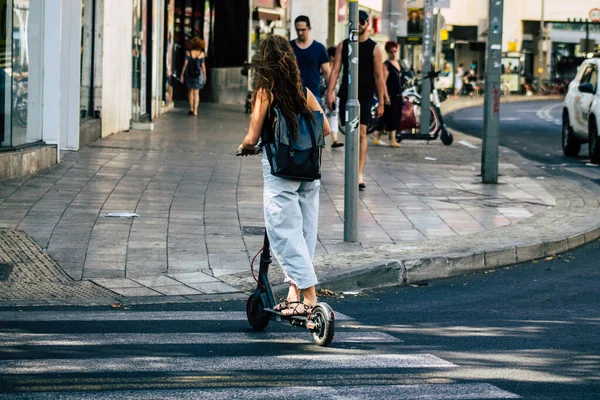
[193, 70]
[296, 157]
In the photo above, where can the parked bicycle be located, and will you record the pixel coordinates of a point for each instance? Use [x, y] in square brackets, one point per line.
[20, 107]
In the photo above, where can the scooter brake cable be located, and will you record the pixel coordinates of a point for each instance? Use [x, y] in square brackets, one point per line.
[252, 268]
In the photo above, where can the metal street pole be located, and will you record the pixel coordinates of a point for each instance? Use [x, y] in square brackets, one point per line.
[352, 131]
[394, 17]
[438, 40]
[587, 37]
[493, 71]
[541, 50]
[426, 83]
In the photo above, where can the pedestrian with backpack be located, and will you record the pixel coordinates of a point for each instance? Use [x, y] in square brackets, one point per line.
[193, 73]
[289, 121]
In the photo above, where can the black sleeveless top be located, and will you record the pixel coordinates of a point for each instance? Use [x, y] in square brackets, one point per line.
[394, 80]
[366, 78]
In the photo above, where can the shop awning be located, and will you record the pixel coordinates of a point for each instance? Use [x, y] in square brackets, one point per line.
[267, 15]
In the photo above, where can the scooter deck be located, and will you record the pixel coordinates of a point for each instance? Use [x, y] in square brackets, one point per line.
[285, 316]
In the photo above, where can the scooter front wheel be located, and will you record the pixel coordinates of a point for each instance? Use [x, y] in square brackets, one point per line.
[324, 322]
[446, 137]
[257, 317]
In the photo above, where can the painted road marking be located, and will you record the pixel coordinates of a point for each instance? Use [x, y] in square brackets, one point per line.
[118, 339]
[287, 362]
[124, 315]
[544, 113]
[588, 172]
[378, 392]
[481, 118]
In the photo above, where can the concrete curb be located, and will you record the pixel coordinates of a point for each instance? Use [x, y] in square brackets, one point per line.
[450, 106]
[392, 272]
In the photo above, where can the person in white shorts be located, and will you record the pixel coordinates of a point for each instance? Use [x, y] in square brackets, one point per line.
[332, 115]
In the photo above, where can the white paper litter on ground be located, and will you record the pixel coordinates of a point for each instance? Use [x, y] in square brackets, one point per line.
[351, 293]
[122, 214]
[431, 159]
[467, 144]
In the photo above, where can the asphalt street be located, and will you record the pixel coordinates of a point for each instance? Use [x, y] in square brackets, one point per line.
[532, 129]
[529, 331]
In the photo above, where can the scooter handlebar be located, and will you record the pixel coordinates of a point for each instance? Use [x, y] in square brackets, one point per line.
[432, 74]
[241, 151]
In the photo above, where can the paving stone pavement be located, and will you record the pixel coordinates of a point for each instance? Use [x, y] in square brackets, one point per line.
[200, 208]
[32, 274]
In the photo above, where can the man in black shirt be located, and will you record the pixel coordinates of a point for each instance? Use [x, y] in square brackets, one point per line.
[311, 55]
[370, 79]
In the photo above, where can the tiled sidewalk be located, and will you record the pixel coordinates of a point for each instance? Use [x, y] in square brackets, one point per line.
[200, 206]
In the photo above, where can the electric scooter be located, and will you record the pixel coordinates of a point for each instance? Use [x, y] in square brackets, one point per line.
[260, 305]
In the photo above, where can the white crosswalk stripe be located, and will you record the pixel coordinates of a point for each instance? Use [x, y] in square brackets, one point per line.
[396, 392]
[125, 315]
[592, 173]
[256, 363]
[40, 347]
[106, 339]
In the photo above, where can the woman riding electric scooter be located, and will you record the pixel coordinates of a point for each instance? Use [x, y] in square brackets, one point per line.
[291, 207]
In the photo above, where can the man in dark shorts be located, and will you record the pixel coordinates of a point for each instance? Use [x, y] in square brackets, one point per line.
[370, 79]
[311, 56]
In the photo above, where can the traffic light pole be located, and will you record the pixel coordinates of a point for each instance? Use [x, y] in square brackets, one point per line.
[493, 71]
[427, 50]
[352, 131]
[541, 52]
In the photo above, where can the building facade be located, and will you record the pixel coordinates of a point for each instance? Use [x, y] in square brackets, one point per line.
[551, 53]
[71, 75]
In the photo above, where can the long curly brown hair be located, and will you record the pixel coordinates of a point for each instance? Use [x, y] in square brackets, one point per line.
[197, 44]
[276, 71]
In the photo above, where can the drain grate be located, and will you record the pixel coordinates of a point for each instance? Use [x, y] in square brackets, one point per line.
[5, 272]
[253, 230]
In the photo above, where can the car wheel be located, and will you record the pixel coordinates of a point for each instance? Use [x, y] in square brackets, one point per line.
[594, 143]
[570, 145]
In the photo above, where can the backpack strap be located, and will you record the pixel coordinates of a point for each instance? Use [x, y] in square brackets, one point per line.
[313, 136]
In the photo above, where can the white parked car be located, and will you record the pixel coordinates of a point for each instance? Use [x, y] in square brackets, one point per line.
[581, 112]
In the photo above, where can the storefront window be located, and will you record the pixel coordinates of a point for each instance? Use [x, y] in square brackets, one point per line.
[5, 67]
[15, 50]
[20, 71]
[88, 23]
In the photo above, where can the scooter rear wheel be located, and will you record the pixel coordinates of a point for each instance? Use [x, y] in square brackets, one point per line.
[324, 329]
[257, 317]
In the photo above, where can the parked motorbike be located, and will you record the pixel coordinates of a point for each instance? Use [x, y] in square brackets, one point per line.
[412, 93]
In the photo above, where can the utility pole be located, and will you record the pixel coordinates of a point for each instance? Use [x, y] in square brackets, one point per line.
[438, 40]
[493, 71]
[587, 36]
[352, 131]
[541, 51]
[394, 17]
[426, 81]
